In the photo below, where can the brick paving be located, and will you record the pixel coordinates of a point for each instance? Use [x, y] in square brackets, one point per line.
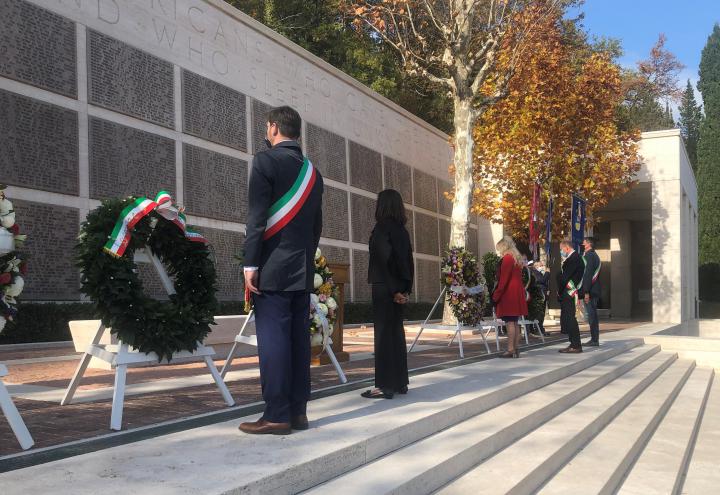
[52, 424]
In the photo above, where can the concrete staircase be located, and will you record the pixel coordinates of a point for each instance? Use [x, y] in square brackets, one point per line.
[622, 418]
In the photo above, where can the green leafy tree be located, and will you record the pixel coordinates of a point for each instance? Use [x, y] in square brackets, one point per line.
[708, 153]
[691, 118]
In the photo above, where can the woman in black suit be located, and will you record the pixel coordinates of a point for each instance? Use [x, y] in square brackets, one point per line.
[390, 272]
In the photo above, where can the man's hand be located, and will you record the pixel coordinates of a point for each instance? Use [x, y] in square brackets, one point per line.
[251, 281]
[400, 298]
[587, 298]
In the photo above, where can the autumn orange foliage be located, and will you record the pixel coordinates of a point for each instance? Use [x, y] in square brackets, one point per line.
[557, 126]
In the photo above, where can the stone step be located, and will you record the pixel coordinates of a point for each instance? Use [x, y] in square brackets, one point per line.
[660, 468]
[346, 432]
[703, 474]
[412, 470]
[602, 464]
[525, 465]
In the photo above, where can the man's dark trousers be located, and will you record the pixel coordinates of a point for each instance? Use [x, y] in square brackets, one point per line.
[592, 316]
[568, 321]
[282, 328]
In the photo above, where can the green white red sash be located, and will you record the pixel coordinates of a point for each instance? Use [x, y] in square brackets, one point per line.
[139, 209]
[597, 271]
[572, 290]
[285, 208]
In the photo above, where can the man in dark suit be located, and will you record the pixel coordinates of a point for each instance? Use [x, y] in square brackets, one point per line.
[591, 289]
[569, 280]
[283, 231]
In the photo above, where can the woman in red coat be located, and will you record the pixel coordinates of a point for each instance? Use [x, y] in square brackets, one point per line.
[509, 294]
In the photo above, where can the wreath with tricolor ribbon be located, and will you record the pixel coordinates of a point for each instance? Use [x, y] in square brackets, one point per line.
[109, 238]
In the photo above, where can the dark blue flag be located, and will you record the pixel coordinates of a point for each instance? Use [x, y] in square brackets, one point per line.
[577, 226]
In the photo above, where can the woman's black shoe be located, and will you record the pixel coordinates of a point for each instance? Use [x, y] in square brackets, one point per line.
[403, 390]
[377, 394]
[508, 354]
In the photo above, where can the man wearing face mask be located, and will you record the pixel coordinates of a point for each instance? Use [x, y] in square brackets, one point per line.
[569, 280]
[283, 231]
[542, 280]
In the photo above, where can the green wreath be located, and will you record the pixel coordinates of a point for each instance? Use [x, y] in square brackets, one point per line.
[112, 283]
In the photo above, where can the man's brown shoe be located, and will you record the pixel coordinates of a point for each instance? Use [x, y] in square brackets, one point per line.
[262, 427]
[299, 422]
[571, 350]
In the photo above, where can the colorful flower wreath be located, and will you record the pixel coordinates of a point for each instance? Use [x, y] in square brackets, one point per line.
[12, 265]
[323, 301]
[465, 289]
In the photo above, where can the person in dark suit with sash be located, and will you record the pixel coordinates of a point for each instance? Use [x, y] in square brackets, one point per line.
[590, 291]
[569, 280]
[283, 231]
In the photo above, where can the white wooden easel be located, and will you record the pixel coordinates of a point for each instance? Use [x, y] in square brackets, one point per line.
[458, 327]
[120, 356]
[252, 340]
[17, 425]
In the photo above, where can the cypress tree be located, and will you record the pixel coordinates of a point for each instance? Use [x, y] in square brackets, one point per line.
[708, 152]
[691, 118]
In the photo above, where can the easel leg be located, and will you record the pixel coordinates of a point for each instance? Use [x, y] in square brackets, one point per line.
[422, 327]
[17, 425]
[333, 359]
[118, 397]
[82, 367]
[460, 341]
[487, 347]
[229, 360]
[219, 381]
[525, 331]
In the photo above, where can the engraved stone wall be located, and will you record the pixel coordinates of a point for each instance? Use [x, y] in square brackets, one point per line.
[213, 111]
[336, 254]
[444, 204]
[38, 47]
[410, 226]
[365, 168]
[259, 127]
[130, 81]
[362, 291]
[52, 234]
[125, 161]
[326, 150]
[215, 184]
[426, 240]
[152, 287]
[427, 280]
[444, 236]
[398, 176]
[472, 241]
[38, 144]
[225, 245]
[425, 190]
[335, 214]
[363, 218]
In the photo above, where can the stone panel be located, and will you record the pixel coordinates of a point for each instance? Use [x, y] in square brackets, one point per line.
[425, 190]
[363, 218]
[126, 161]
[426, 240]
[213, 111]
[444, 236]
[335, 254]
[38, 47]
[259, 128]
[410, 226]
[444, 204]
[215, 184]
[52, 234]
[130, 81]
[398, 176]
[427, 280]
[472, 241]
[326, 151]
[362, 291]
[365, 168]
[335, 214]
[152, 286]
[38, 144]
[224, 245]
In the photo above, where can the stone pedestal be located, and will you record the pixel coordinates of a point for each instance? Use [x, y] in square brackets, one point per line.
[341, 277]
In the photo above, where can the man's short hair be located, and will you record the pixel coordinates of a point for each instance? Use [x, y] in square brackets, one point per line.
[566, 242]
[287, 119]
[590, 240]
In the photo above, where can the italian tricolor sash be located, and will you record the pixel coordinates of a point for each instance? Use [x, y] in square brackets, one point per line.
[134, 212]
[285, 208]
[597, 271]
[572, 290]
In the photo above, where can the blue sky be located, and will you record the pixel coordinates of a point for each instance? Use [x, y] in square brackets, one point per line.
[637, 23]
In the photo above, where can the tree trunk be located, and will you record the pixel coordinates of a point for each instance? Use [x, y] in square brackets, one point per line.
[463, 162]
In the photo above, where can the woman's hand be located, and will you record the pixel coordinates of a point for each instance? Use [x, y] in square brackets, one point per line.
[400, 298]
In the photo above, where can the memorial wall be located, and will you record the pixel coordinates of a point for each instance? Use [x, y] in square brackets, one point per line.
[107, 98]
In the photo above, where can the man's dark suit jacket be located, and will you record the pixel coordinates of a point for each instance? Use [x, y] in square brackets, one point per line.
[286, 260]
[592, 263]
[572, 269]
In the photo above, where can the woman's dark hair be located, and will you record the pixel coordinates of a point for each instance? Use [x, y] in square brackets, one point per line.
[390, 205]
[287, 120]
